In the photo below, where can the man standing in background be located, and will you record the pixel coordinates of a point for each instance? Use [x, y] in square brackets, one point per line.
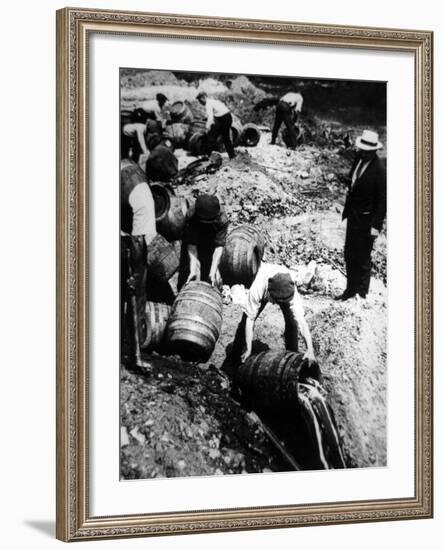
[365, 209]
[287, 110]
[219, 121]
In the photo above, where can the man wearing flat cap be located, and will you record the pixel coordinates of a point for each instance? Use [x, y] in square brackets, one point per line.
[203, 242]
[365, 209]
[275, 284]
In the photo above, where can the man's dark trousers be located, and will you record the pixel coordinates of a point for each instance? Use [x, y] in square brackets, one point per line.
[357, 256]
[284, 113]
[221, 127]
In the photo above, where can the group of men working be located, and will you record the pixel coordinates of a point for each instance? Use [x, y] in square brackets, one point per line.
[207, 225]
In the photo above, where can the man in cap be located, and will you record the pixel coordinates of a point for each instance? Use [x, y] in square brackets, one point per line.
[203, 242]
[287, 110]
[365, 209]
[275, 284]
[219, 121]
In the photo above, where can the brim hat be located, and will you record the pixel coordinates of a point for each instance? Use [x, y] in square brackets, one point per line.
[281, 287]
[369, 141]
[207, 208]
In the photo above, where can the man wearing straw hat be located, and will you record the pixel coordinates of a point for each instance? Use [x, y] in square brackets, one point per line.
[365, 209]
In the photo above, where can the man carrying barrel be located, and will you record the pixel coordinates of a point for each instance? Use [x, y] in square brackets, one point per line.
[276, 284]
[219, 121]
[287, 110]
[203, 243]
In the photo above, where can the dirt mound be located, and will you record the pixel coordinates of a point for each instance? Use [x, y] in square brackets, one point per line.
[350, 342]
[181, 421]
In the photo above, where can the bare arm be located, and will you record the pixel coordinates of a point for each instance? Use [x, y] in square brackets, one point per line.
[217, 254]
[298, 312]
[249, 329]
[194, 263]
[141, 139]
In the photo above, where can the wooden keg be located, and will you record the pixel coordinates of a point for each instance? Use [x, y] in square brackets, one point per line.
[173, 224]
[250, 135]
[162, 200]
[180, 112]
[195, 322]
[299, 135]
[268, 381]
[197, 144]
[178, 132]
[153, 326]
[242, 256]
[162, 258]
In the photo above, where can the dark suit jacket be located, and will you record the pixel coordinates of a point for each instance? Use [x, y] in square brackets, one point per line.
[366, 203]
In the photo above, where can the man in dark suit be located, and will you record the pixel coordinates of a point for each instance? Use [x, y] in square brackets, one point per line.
[365, 209]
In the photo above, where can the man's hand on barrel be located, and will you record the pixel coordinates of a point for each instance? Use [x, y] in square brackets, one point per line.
[215, 278]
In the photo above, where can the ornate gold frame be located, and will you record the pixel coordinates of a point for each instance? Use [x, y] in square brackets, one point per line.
[73, 519]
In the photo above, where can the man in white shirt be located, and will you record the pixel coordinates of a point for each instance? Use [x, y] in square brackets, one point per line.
[155, 108]
[219, 121]
[287, 110]
[275, 284]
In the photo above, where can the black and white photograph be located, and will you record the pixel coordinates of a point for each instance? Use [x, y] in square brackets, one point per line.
[253, 274]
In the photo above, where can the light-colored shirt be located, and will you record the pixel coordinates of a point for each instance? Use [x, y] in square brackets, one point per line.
[144, 217]
[215, 108]
[294, 99]
[152, 106]
[258, 296]
[134, 129]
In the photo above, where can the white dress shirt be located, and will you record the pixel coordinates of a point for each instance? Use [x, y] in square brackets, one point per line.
[294, 99]
[144, 216]
[258, 296]
[215, 108]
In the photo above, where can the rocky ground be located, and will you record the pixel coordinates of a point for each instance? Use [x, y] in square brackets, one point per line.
[182, 419]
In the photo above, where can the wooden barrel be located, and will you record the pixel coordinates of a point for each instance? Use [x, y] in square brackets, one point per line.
[195, 322]
[198, 125]
[173, 224]
[178, 132]
[197, 144]
[154, 325]
[162, 258]
[299, 135]
[162, 200]
[180, 112]
[242, 256]
[268, 381]
[250, 135]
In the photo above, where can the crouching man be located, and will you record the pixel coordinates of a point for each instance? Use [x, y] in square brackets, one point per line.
[275, 284]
